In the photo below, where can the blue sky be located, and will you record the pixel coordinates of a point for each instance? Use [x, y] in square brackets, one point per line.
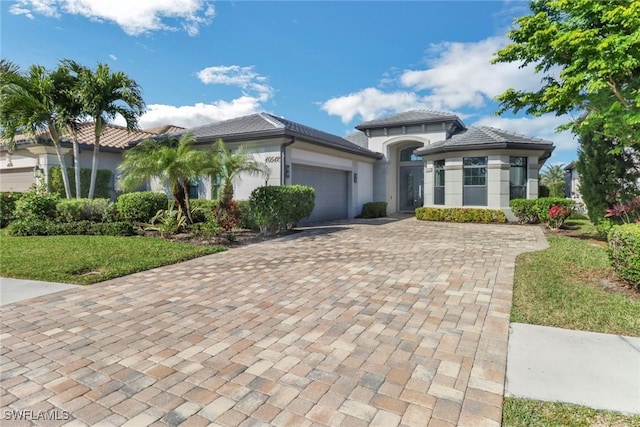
[329, 65]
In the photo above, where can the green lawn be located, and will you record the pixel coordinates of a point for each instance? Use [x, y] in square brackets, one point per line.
[559, 287]
[89, 259]
[533, 413]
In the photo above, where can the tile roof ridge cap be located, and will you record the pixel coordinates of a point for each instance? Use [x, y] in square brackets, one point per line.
[522, 135]
[272, 120]
[492, 132]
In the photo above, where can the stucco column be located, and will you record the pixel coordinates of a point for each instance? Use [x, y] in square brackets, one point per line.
[453, 182]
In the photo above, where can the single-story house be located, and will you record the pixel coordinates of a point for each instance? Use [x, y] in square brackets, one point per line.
[416, 158]
[572, 183]
[34, 156]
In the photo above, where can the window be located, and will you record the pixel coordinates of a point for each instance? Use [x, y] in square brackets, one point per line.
[438, 182]
[517, 178]
[193, 190]
[407, 155]
[475, 181]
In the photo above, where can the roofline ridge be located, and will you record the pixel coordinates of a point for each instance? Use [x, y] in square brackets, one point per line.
[522, 135]
[272, 120]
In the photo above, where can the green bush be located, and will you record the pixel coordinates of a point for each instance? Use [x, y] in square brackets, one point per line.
[277, 209]
[228, 218]
[534, 211]
[484, 216]
[103, 182]
[140, 206]
[97, 210]
[202, 209]
[33, 226]
[624, 251]
[246, 216]
[206, 229]
[8, 207]
[37, 204]
[374, 210]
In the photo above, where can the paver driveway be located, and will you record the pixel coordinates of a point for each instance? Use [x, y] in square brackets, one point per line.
[387, 323]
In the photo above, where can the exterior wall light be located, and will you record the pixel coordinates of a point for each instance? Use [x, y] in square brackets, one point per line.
[355, 178]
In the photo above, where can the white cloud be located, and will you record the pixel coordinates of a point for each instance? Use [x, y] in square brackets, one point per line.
[235, 75]
[457, 76]
[134, 17]
[541, 127]
[113, 57]
[462, 75]
[370, 103]
[189, 116]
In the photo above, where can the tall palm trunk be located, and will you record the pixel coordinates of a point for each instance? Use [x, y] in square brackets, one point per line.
[94, 160]
[63, 166]
[76, 163]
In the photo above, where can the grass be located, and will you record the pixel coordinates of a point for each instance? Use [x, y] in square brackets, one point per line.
[533, 413]
[559, 287]
[89, 259]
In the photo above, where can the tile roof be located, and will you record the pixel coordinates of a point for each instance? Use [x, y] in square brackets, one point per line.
[113, 137]
[485, 137]
[410, 117]
[262, 125]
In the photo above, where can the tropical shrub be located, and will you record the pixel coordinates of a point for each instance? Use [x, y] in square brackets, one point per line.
[202, 209]
[525, 210]
[32, 226]
[169, 221]
[37, 203]
[277, 209]
[70, 210]
[624, 251]
[140, 206]
[227, 217]
[246, 216]
[103, 182]
[557, 216]
[374, 210]
[627, 211]
[484, 216]
[206, 229]
[533, 211]
[8, 207]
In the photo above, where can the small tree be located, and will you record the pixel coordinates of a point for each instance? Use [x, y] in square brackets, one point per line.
[606, 177]
[553, 178]
[173, 161]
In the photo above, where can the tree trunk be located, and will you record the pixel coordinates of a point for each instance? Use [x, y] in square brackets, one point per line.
[94, 164]
[76, 164]
[63, 166]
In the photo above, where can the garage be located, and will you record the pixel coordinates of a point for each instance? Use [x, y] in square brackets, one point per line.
[16, 179]
[331, 191]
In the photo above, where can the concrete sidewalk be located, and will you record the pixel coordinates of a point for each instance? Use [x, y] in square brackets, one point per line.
[600, 371]
[13, 290]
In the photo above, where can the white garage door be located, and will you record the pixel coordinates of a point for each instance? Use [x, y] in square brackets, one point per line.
[19, 179]
[331, 191]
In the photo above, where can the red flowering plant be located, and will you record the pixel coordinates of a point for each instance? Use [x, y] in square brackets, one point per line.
[627, 211]
[557, 216]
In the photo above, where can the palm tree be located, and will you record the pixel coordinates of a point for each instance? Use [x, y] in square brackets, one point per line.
[174, 161]
[104, 95]
[553, 178]
[31, 102]
[229, 166]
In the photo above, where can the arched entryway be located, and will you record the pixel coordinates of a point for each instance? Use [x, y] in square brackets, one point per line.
[410, 179]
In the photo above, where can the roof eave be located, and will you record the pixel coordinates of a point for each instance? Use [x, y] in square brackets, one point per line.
[445, 119]
[425, 151]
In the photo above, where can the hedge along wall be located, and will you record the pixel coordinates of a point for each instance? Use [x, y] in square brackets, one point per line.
[103, 182]
[484, 216]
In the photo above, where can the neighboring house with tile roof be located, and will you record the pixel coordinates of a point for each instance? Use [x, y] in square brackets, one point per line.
[35, 154]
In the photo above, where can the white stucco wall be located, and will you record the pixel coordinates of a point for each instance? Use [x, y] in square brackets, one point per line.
[498, 174]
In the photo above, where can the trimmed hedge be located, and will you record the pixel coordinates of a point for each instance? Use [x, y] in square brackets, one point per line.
[36, 204]
[246, 216]
[140, 206]
[624, 251]
[484, 216]
[96, 210]
[277, 209]
[374, 210]
[46, 227]
[8, 207]
[103, 182]
[534, 211]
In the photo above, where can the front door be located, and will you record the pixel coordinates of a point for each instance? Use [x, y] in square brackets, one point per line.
[411, 187]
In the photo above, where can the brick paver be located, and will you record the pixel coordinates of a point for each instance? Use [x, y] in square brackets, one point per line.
[366, 323]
